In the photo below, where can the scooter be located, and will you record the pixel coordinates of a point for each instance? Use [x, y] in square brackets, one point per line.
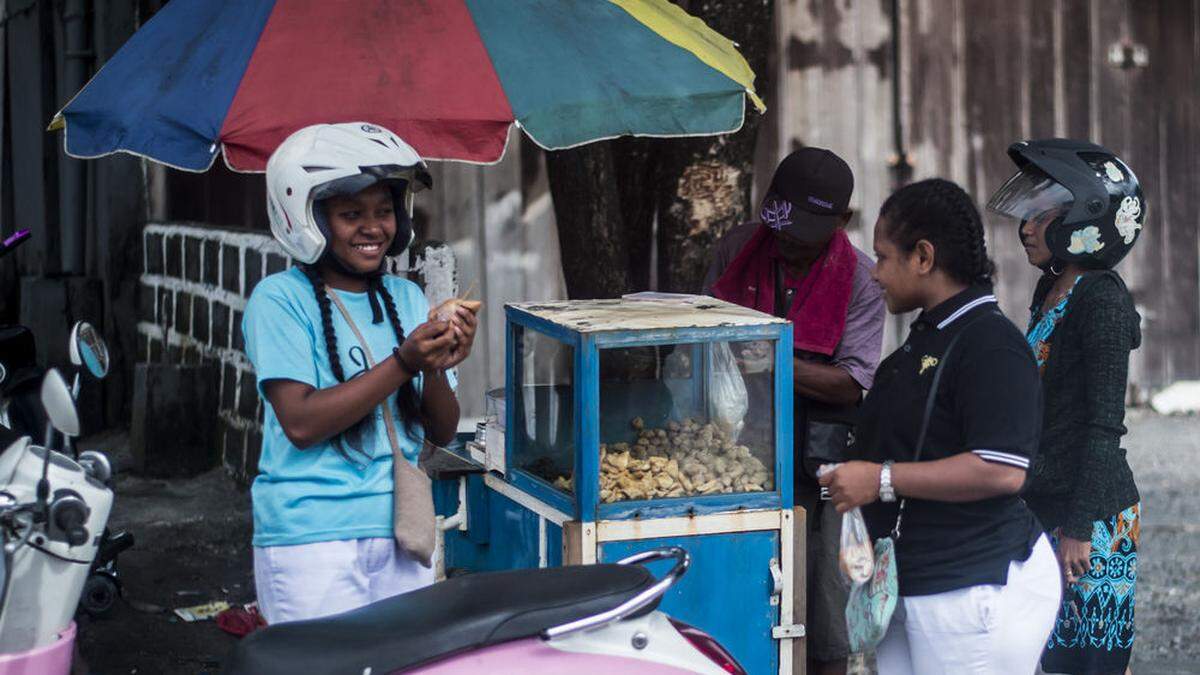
[21, 413]
[581, 619]
[52, 510]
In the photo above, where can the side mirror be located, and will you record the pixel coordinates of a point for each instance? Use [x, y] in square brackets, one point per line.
[59, 404]
[88, 349]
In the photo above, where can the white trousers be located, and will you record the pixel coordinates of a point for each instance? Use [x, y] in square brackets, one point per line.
[309, 581]
[980, 630]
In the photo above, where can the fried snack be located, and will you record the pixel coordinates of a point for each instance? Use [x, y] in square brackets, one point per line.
[686, 458]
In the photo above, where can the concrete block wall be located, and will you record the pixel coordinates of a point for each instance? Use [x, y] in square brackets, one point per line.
[195, 281]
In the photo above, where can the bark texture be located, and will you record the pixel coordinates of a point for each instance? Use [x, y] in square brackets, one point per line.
[607, 195]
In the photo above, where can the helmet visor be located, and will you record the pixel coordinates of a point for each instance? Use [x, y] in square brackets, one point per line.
[413, 178]
[1031, 193]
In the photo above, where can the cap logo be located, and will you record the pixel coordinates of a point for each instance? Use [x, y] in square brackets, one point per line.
[820, 202]
[777, 214]
[1127, 218]
[371, 129]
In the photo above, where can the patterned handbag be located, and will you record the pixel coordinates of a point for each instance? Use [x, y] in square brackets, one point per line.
[871, 604]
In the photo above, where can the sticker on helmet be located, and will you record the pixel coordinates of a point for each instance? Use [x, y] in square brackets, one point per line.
[1086, 240]
[1113, 172]
[1127, 218]
[371, 129]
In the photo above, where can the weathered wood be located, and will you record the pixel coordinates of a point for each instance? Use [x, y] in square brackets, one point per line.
[1075, 18]
[572, 542]
[800, 587]
[457, 219]
[1166, 134]
[30, 99]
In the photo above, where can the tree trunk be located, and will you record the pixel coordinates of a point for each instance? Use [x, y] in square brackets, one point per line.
[591, 231]
[704, 184]
[607, 194]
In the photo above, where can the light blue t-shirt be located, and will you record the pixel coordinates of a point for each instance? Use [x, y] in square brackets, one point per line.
[316, 494]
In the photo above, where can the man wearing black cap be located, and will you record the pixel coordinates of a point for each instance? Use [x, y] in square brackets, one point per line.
[797, 262]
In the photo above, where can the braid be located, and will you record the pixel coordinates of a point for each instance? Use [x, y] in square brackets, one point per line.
[335, 362]
[408, 401]
[943, 214]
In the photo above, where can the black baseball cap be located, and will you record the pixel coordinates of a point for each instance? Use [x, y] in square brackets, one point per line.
[809, 194]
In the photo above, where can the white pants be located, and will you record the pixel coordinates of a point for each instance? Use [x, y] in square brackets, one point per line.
[329, 577]
[980, 630]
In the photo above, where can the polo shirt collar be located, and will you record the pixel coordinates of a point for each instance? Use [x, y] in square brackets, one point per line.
[957, 307]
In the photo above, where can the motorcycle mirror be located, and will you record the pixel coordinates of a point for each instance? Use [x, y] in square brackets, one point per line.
[59, 405]
[88, 349]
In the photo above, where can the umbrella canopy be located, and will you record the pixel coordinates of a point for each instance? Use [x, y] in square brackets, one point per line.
[448, 76]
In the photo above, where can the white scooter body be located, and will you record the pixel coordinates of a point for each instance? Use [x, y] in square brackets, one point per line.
[46, 578]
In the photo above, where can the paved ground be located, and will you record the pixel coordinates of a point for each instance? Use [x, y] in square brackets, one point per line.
[1165, 455]
[193, 546]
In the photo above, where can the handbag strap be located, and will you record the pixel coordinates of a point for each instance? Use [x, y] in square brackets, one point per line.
[388, 423]
[928, 414]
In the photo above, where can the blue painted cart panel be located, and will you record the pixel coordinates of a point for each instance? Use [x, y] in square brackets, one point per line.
[514, 533]
[726, 593]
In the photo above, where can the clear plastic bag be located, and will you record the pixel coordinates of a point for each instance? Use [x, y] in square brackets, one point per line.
[856, 554]
[856, 557]
[727, 398]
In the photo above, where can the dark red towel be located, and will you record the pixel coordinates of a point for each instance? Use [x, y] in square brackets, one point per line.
[818, 314]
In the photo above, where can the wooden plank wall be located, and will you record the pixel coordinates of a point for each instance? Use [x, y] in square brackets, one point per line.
[500, 223]
[977, 75]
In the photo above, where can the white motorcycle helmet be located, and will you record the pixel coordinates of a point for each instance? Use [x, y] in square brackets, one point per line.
[328, 160]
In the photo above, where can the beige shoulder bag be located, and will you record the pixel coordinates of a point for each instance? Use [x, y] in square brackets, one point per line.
[413, 519]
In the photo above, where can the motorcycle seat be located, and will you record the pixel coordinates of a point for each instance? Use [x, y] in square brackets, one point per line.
[459, 614]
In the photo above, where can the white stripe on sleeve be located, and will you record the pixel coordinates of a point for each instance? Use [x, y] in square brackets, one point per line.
[1003, 458]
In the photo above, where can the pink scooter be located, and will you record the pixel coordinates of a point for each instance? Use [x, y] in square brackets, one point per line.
[576, 620]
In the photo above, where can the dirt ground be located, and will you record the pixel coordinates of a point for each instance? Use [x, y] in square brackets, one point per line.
[193, 547]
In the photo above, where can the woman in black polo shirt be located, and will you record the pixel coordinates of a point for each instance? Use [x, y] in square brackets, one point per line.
[1081, 210]
[978, 581]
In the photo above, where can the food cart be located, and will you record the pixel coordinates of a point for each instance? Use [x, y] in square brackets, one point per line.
[642, 422]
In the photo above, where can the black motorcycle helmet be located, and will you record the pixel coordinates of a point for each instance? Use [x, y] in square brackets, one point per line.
[1098, 201]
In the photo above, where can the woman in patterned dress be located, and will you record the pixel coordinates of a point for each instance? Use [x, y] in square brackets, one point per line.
[1081, 210]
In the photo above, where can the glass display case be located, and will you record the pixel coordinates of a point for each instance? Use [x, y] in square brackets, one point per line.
[629, 401]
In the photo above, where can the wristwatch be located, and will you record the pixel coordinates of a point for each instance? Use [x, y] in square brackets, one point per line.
[887, 493]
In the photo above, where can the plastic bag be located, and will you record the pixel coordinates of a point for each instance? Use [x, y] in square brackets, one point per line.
[856, 554]
[856, 557]
[727, 398]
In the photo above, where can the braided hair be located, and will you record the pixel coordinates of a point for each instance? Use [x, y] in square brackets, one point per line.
[408, 401]
[942, 213]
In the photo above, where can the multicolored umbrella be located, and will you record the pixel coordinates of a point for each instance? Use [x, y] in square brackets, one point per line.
[449, 76]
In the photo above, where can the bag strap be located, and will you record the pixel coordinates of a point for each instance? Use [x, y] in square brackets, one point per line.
[388, 423]
[928, 414]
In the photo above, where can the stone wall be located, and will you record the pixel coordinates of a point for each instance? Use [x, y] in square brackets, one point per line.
[195, 281]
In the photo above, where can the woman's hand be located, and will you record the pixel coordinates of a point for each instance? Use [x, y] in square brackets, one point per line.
[428, 346]
[464, 324]
[852, 484]
[1074, 558]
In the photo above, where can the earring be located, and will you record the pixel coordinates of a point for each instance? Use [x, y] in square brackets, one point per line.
[1055, 272]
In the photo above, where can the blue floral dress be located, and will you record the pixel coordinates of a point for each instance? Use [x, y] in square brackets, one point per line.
[1094, 630]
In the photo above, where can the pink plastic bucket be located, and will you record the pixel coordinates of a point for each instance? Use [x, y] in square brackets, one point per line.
[53, 659]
